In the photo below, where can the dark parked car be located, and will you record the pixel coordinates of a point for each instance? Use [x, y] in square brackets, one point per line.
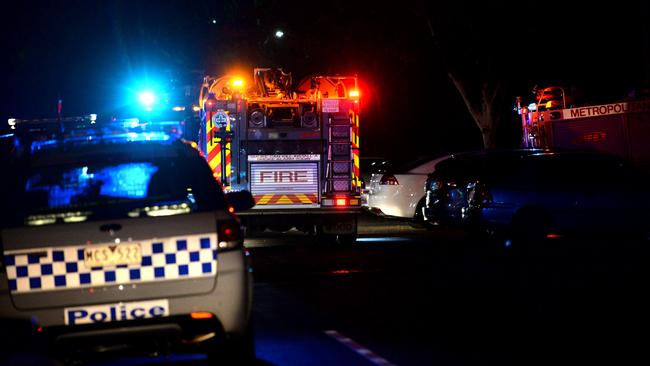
[539, 193]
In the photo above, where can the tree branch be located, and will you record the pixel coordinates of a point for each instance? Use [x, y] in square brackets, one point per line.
[463, 92]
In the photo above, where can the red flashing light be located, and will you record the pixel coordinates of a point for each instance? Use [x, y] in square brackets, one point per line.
[39, 329]
[340, 202]
[231, 209]
[345, 271]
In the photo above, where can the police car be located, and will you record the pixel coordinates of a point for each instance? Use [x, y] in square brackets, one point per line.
[116, 236]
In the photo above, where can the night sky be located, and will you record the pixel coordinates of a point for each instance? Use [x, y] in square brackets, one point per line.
[92, 53]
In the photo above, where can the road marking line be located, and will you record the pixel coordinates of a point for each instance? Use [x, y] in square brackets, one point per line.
[359, 349]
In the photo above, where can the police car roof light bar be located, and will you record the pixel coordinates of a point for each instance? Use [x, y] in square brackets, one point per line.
[44, 133]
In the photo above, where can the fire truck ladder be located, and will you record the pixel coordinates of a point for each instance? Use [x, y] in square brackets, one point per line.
[340, 160]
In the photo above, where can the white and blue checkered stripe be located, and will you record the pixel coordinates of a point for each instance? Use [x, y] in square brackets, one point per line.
[63, 268]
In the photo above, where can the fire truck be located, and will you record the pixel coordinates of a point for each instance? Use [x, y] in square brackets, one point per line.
[621, 128]
[296, 150]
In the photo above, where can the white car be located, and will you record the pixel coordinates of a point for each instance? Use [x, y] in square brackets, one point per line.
[399, 192]
[125, 243]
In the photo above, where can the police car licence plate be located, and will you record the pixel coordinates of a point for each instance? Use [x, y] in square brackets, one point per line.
[112, 255]
[116, 312]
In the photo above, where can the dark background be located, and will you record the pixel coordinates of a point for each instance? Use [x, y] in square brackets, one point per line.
[92, 53]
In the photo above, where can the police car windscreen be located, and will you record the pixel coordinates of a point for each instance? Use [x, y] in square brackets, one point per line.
[118, 189]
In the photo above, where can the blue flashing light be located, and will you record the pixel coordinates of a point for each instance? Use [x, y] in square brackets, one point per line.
[127, 122]
[147, 98]
[116, 131]
[38, 145]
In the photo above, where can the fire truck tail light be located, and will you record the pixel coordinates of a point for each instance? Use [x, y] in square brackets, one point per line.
[340, 202]
[354, 93]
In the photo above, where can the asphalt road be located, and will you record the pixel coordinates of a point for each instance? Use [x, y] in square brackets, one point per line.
[405, 296]
[417, 297]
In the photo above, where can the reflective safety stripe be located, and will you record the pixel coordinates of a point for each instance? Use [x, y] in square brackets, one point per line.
[285, 199]
[215, 150]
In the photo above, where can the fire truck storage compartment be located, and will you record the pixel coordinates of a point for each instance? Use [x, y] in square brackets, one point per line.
[604, 133]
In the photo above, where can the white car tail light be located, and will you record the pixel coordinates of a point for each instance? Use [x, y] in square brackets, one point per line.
[389, 180]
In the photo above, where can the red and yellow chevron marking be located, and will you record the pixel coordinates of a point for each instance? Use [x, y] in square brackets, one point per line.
[285, 199]
[355, 149]
[214, 158]
[214, 151]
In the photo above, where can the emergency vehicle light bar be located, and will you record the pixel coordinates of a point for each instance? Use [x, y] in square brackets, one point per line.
[45, 124]
[88, 125]
[47, 133]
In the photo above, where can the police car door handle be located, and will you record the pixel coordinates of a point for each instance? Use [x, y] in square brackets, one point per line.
[110, 227]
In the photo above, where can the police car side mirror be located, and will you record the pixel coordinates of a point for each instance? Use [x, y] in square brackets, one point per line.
[240, 200]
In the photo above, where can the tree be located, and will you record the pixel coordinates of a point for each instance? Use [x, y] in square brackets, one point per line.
[496, 50]
[476, 43]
